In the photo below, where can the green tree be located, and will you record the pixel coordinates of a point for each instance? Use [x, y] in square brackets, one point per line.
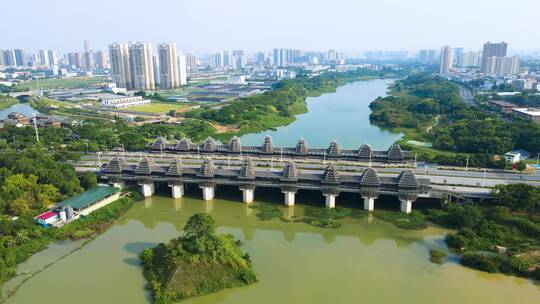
[88, 180]
[520, 166]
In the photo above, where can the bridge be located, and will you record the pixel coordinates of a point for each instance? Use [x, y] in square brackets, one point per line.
[394, 154]
[289, 180]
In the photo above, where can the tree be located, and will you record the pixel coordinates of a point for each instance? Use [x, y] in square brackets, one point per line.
[88, 180]
[200, 224]
[520, 166]
[22, 194]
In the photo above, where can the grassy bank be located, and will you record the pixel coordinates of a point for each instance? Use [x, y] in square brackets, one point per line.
[22, 238]
[6, 101]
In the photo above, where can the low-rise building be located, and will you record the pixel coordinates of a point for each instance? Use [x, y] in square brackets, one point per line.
[124, 102]
[516, 156]
[504, 106]
[530, 114]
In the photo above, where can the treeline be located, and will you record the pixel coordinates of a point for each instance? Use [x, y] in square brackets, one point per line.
[6, 101]
[500, 237]
[417, 100]
[278, 106]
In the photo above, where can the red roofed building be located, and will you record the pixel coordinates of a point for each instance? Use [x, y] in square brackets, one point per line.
[47, 218]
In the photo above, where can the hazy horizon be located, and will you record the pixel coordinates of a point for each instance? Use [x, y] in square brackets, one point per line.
[206, 25]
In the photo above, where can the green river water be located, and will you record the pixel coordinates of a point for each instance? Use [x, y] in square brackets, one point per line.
[365, 260]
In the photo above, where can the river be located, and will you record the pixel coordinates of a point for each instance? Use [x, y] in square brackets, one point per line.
[23, 108]
[365, 260]
[342, 116]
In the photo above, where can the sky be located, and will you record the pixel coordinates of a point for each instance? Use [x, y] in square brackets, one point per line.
[208, 25]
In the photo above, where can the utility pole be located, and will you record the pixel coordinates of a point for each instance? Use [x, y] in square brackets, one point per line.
[98, 158]
[370, 159]
[35, 127]
[467, 163]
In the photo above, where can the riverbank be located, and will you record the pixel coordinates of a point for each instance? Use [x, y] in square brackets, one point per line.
[6, 101]
[280, 105]
[430, 109]
[38, 238]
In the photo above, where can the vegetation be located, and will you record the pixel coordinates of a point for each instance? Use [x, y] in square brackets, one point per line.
[21, 238]
[267, 211]
[416, 220]
[197, 263]
[158, 107]
[6, 101]
[61, 83]
[278, 106]
[436, 256]
[430, 108]
[500, 238]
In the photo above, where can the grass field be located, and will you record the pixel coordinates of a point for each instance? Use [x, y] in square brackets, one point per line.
[158, 107]
[63, 83]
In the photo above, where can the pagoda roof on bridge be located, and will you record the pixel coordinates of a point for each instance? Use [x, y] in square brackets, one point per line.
[209, 145]
[145, 166]
[267, 146]
[301, 147]
[234, 145]
[330, 175]
[248, 169]
[395, 152]
[365, 152]
[406, 179]
[175, 168]
[290, 172]
[184, 144]
[159, 143]
[116, 165]
[370, 178]
[207, 168]
[333, 148]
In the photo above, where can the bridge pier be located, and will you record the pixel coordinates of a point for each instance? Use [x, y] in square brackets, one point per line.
[177, 190]
[330, 200]
[405, 205]
[248, 195]
[289, 197]
[147, 189]
[369, 203]
[207, 192]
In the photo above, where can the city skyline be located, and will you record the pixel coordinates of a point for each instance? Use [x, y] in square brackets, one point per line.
[203, 26]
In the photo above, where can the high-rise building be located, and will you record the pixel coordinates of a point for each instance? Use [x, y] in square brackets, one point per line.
[331, 56]
[75, 60]
[88, 57]
[141, 67]
[182, 69]
[502, 65]
[20, 57]
[9, 58]
[102, 61]
[168, 66]
[191, 61]
[492, 50]
[279, 57]
[155, 66]
[51, 55]
[216, 60]
[470, 59]
[239, 59]
[120, 72]
[2, 60]
[227, 59]
[43, 58]
[447, 59]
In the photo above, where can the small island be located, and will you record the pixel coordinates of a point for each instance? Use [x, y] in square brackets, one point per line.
[197, 263]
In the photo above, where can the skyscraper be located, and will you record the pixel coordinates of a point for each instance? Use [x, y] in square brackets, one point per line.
[182, 70]
[75, 60]
[2, 63]
[447, 59]
[88, 57]
[52, 57]
[20, 57]
[155, 66]
[101, 60]
[492, 50]
[216, 60]
[168, 65]
[279, 57]
[239, 59]
[141, 67]
[191, 61]
[227, 59]
[120, 72]
[9, 57]
[502, 65]
[43, 58]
